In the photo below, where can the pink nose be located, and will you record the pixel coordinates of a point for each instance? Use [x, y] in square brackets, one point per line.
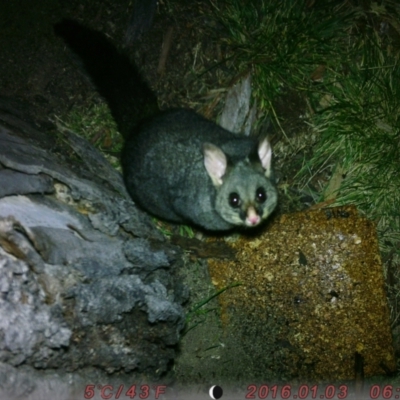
[252, 217]
[253, 220]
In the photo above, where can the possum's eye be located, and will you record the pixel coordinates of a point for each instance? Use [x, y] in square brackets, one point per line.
[234, 200]
[261, 196]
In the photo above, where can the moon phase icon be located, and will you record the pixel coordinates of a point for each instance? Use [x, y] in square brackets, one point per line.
[215, 392]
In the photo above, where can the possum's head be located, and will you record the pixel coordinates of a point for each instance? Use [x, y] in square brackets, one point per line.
[245, 194]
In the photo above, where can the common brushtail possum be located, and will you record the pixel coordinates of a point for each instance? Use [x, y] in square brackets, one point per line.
[177, 165]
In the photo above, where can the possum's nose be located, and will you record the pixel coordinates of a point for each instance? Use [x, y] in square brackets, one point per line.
[252, 218]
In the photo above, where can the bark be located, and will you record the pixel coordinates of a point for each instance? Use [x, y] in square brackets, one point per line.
[88, 286]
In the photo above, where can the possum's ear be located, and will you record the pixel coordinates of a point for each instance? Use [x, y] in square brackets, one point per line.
[215, 162]
[265, 156]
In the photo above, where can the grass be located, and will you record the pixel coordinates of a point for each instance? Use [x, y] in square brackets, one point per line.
[168, 230]
[197, 314]
[359, 133]
[282, 43]
[343, 60]
[98, 127]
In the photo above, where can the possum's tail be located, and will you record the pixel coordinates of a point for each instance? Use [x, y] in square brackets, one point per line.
[115, 77]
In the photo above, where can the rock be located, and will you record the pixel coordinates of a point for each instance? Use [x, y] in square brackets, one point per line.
[88, 286]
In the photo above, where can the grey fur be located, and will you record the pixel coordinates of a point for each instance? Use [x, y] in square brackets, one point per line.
[177, 165]
[164, 169]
